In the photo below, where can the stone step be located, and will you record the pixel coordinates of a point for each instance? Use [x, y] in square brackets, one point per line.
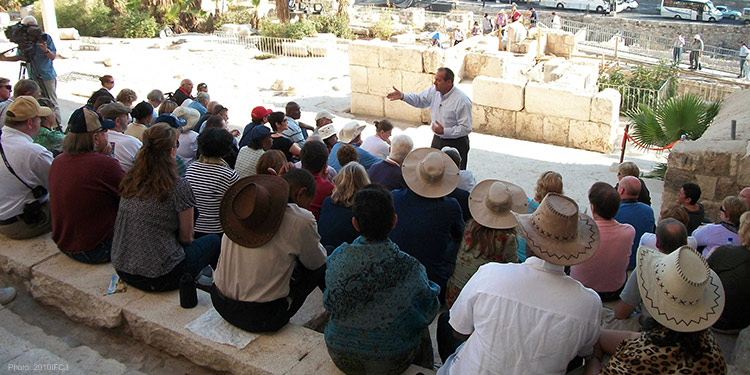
[26, 348]
[79, 290]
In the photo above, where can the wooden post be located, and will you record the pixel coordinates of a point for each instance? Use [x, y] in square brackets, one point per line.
[624, 142]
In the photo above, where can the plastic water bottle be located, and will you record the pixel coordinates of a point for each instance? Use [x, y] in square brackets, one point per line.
[730, 241]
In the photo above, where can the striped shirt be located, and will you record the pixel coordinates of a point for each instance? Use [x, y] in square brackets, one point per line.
[209, 183]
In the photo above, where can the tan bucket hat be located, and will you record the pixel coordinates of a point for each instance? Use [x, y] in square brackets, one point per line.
[350, 131]
[492, 201]
[327, 131]
[557, 233]
[252, 209]
[679, 290]
[430, 172]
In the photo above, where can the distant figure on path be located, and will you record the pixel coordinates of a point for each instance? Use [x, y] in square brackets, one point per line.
[677, 44]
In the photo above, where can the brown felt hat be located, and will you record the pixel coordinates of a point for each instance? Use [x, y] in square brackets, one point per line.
[252, 209]
[557, 233]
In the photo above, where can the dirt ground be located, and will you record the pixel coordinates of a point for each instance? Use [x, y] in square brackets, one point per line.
[240, 82]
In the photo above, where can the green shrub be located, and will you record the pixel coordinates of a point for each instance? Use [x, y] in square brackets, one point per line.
[383, 29]
[295, 30]
[93, 20]
[237, 14]
[136, 24]
[335, 24]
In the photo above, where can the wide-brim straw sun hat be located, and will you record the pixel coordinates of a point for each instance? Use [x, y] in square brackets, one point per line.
[492, 201]
[350, 131]
[557, 233]
[679, 290]
[252, 209]
[430, 173]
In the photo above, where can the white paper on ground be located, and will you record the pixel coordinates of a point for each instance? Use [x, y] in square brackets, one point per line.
[213, 327]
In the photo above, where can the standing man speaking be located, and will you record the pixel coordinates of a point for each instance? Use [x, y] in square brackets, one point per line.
[450, 110]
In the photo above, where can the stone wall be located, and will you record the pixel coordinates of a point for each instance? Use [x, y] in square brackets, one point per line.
[708, 90]
[713, 34]
[719, 165]
[553, 102]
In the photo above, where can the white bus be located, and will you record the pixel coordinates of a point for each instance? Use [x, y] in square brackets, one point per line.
[601, 6]
[699, 10]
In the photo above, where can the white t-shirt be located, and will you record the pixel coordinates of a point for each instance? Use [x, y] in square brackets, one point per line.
[376, 146]
[527, 318]
[188, 147]
[125, 147]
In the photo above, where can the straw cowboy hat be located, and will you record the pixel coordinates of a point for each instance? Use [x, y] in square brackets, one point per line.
[430, 173]
[252, 209]
[557, 233]
[679, 290]
[350, 131]
[492, 201]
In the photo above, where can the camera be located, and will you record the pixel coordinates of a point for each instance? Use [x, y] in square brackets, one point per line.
[26, 36]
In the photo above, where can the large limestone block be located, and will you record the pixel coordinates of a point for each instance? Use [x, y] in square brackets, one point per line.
[516, 33]
[364, 53]
[590, 136]
[381, 81]
[368, 105]
[555, 130]
[432, 59]
[454, 59]
[549, 100]
[18, 256]
[158, 320]
[404, 58]
[11, 346]
[426, 116]
[485, 64]
[399, 110]
[312, 314]
[478, 116]
[499, 93]
[501, 122]
[529, 126]
[80, 291]
[294, 49]
[358, 76]
[318, 361]
[605, 106]
[415, 82]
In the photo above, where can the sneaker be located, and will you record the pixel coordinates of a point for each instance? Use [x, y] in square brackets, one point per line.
[205, 279]
[7, 295]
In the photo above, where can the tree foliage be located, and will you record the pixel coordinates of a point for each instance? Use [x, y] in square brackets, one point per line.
[688, 115]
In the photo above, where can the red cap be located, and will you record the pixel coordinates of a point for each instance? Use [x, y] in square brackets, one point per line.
[259, 112]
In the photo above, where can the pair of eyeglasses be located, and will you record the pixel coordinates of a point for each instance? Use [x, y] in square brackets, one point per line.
[8, 87]
[722, 209]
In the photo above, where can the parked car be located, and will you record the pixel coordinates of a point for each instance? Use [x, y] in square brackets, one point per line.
[745, 16]
[728, 13]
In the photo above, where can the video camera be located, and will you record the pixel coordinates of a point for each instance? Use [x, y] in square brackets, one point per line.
[26, 36]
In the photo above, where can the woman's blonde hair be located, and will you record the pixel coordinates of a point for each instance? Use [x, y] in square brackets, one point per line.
[744, 231]
[548, 182]
[347, 182]
[78, 143]
[154, 173]
[167, 106]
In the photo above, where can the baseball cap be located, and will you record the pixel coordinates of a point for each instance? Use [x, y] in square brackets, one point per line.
[323, 114]
[84, 120]
[259, 112]
[112, 110]
[171, 120]
[26, 107]
[259, 132]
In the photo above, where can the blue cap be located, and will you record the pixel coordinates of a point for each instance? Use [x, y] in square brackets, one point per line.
[259, 132]
[172, 120]
[84, 120]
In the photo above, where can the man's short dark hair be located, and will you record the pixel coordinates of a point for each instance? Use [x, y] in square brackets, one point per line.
[275, 118]
[25, 87]
[346, 154]
[314, 156]
[214, 142]
[692, 191]
[449, 76]
[604, 199]
[300, 178]
[214, 121]
[670, 235]
[373, 209]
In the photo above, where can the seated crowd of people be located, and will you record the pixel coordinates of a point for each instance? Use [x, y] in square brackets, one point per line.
[394, 236]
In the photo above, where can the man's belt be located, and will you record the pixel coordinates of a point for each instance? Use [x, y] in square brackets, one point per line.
[9, 221]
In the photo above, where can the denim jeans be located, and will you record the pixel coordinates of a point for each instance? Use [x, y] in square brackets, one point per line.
[98, 255]
[199, 254]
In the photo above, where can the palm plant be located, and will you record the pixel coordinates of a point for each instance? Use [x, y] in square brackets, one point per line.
[670, 120]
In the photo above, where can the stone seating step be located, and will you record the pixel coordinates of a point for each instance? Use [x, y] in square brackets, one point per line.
[79, 290]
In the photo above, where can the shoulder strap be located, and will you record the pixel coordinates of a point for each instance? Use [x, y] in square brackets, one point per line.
[7, 165]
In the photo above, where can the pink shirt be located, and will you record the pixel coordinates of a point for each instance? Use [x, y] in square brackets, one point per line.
[605, 271]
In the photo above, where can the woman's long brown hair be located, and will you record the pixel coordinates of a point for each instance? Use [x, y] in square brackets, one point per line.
[484, 238]
[154, 172]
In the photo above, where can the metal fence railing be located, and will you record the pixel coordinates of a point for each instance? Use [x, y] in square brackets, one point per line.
[308, 47]
[632, 96]
[646, 44]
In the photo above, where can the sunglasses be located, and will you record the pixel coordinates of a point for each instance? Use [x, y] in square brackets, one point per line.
[722, 209]
[8, 87]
